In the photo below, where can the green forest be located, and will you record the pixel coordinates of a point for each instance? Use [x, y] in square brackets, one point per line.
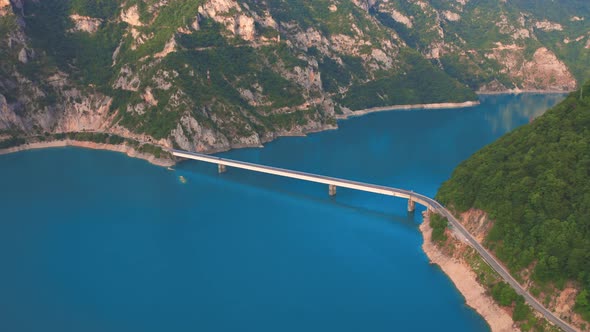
[535, 184]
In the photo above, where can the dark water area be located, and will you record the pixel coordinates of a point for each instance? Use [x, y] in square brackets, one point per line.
[96, 241]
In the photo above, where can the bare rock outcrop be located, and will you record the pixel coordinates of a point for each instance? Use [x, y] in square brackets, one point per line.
[547, 72]
[307, 57]
[312, 38]
[5, 7]
[83, 112]
[451, 16]
[149, 98]
[196, 25]
[168, 48]
[365, 4]
[543, 72]
[85, 23]
[127, 80]
[477, 223]
[131, 16]
[192, 136]
[8, 119]
[244, 27]
[230, 14]
[548, 26]
[23, 55]
[401, 18]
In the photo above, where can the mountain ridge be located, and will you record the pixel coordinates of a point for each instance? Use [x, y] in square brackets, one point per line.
[212, 75]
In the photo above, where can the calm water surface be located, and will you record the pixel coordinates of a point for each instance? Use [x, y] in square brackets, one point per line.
[96, 241]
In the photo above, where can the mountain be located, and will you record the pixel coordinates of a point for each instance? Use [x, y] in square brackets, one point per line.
[530, 195]
[498, 45]
[209, 75]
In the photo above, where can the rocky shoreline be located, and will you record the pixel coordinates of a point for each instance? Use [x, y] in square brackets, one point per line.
[466, 282]
[129, 151]
[521, 92]
[458, 271]
[410, 107]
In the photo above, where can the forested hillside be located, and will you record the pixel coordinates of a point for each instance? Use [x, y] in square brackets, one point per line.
[210, 75]
[534, 184]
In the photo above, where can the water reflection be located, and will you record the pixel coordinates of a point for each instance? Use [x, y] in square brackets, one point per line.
[142, 251]
[511, 111]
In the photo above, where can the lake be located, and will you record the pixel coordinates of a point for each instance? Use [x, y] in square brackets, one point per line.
[96, 241]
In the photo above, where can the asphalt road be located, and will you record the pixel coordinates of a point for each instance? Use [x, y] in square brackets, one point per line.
[383, 190]
[499, 268]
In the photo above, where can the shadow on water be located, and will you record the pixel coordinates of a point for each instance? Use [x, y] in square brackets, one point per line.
[347, 199]
[109, 243]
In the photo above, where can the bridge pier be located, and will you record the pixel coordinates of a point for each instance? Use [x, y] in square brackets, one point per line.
[411, 205]
[221, 168]
[332, 190]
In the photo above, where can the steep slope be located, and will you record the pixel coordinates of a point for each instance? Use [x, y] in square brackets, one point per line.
[498, 45]
[209, 75]
[533, 186]
[203, 75]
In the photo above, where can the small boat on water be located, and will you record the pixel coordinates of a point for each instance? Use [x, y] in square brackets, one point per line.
[182, 179]
[170, 168]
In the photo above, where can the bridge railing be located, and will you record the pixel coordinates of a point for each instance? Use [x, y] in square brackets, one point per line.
[331, 181]
[426, 201]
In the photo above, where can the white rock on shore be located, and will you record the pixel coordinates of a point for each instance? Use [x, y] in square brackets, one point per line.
[466, 282]
[129, 151]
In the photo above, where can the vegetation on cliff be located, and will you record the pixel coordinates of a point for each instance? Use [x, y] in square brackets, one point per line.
[497, 289]
[439, 225]
[212, 74]
[535, 184]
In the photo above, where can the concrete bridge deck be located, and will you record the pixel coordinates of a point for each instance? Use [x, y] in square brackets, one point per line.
[411, 196]
[330, 181]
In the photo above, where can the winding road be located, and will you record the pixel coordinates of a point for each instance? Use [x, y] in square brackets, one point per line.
[426, 201]
[498, 267]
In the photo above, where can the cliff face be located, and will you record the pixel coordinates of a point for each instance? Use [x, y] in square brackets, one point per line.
[497, 45]
[34, 101]
[208, 75]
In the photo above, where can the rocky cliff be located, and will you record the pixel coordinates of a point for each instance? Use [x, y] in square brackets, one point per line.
[209, 75]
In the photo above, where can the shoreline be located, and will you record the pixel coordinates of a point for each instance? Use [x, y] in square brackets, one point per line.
[349, 114]
[131, 152]
[408, 107]
[465, 281]
[462, 276]
[128, 150]
[522, 92]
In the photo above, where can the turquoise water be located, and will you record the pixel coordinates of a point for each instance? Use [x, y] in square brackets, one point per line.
[96, 241]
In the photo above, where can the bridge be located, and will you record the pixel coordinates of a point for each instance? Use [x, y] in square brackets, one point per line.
[332, 183]
[412, 197]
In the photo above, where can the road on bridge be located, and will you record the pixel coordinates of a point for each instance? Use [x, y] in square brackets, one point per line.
[426, 201]
[497, 266]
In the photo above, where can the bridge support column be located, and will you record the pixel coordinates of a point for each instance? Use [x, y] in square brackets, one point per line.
[411, 205]
[332, 190]
[221, 168]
